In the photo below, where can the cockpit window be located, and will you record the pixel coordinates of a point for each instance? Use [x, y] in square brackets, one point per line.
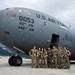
[20, 10]
[27, 12]
[6, 8]
[63, 26]
[11, 15]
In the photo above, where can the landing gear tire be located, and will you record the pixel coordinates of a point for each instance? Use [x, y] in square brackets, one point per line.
[15, 61]
[11, 60]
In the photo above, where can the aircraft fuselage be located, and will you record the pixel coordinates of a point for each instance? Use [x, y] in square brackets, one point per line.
[24, 28]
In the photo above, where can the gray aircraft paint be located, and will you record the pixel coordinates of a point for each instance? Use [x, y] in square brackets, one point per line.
[37, 29]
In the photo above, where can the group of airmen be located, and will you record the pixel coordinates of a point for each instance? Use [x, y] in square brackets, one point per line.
[51, 58]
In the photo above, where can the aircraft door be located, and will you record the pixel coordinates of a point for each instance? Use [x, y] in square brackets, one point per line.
[54, 40]
[25, 38]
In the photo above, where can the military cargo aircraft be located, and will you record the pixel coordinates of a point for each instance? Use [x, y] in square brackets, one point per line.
[23, 28]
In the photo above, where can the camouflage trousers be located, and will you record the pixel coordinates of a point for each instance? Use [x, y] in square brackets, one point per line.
[59, 61]
[38, 62]
[44, 62]
[34, 62]
[41, 63]
[67, 62]
[55, 62]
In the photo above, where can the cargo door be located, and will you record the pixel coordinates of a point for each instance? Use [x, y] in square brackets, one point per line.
[54, 40]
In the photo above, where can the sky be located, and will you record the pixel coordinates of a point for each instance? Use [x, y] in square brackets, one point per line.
[63, 10]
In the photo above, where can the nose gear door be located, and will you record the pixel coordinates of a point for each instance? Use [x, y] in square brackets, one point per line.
[25, 38]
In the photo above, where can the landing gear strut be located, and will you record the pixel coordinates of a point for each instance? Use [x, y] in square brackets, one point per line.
[15, 61]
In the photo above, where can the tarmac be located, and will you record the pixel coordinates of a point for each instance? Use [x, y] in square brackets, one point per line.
[25, 69]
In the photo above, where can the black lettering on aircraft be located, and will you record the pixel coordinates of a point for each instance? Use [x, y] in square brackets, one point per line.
[31, 29]
[30, 25]
[32, 20]
[22, 23]
[62, 24]
[52, 20]
[58, 22]
[20, 18]
[22, 27]
[37, 15]
[40, 16]
[44, 23]
[44, 18]
[26, 19]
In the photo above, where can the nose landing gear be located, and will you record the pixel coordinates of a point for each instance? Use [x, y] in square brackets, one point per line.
[15, 61]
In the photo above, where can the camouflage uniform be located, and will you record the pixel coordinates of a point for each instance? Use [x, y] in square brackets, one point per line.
[60, 56]
[54, 52]
[49, 58]
[45, 58]
[42, 57]
[33, 54]
[66, 54]
[38, 58]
